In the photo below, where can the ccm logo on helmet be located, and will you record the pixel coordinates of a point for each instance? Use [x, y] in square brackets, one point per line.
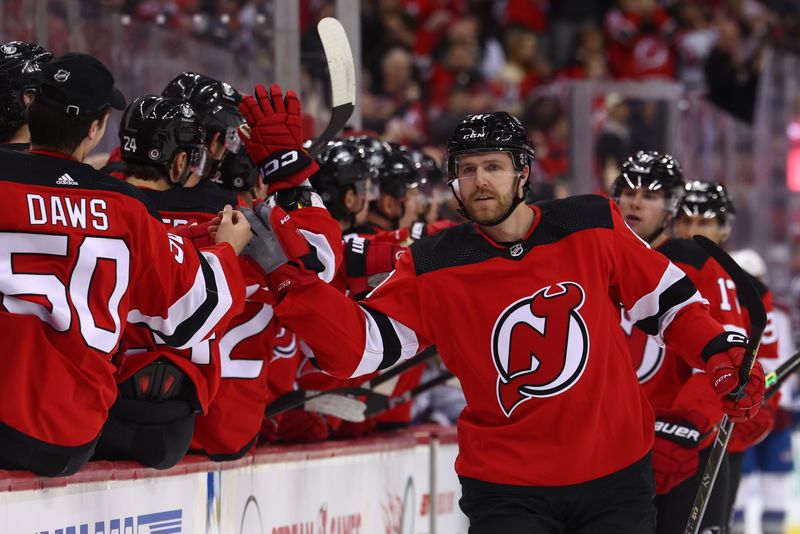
[275, 164]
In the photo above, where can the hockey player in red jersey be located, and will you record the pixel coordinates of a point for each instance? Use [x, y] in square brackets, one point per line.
[163, 147]
[20, 64]
[707, 210]
[523, 305]
[82, 255]
[229, 372]
[649, 190]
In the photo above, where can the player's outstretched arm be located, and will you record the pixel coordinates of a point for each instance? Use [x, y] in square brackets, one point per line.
[348, 338]
[182, 293]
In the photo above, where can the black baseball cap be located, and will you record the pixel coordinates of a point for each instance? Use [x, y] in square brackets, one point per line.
[79, 85]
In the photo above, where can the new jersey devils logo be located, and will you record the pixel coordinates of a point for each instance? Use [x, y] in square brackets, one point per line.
[540, 345]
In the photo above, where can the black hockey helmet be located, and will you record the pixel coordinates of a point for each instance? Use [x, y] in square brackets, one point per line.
[236, 173]
[652, 170]
[155, 128]
[489, 132]
[428, 169]
[342, 165]
[707, 200]
[376, 151]
[20, 65]
[216, 103]
[398, 172]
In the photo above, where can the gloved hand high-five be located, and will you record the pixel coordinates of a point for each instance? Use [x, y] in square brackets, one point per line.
[723, 356]
[279, 248]
[275, 138]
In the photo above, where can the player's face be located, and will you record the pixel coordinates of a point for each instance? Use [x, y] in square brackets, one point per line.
[644, 211]
[486, 184]
[686, 227]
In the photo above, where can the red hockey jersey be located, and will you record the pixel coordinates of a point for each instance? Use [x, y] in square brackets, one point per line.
[230, 371]
[667, 379]
[81, 254]
[531, 329]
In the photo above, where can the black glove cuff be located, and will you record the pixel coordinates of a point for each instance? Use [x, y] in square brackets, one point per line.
[283, 164]
[355, 256]
[294, 198]
[682, 433]
[722, 343]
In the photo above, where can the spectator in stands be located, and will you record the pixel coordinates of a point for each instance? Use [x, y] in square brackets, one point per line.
[568, 19]
[732, 69]
[638, 33]
[614, 142]
[693, 43]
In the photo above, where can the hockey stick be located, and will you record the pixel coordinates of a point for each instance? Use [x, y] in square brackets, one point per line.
[298, 398]
[758, 321]
[776, 378]
[343, 80]
[377, 403]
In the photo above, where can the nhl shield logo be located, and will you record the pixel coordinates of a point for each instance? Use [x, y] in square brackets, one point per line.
[61, 75]
[8, 50]
[516, 250]
[540, 345]
[187, 111]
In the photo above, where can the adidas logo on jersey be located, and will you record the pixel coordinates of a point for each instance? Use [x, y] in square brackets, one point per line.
[66, 179]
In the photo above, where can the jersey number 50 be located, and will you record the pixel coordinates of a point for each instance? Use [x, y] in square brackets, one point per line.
[81, 279]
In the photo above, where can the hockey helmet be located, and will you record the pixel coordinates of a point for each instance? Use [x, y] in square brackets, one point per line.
[20, 64]
[707, 200]
[654, 171]
[342, 165]
[154, 129]
[489, 132]
[236, 173]
[216, 103]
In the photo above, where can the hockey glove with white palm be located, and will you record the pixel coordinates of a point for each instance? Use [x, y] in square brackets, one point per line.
[274, 138]
[279, 249]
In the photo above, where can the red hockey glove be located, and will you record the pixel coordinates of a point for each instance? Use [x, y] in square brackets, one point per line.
[198, 234]
[268, 433]
[675, 451]
[753, 431]
[365, 258]
[275, 138]
[279, 249]
[349, 430]
[299, 426]
[723, 356]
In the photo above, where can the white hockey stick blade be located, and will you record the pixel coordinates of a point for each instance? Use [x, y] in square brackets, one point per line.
[341, 69]
[340, 61]
[341, 406]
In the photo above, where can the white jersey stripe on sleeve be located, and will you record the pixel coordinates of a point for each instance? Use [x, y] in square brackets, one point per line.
[648, 305]
[187, 309]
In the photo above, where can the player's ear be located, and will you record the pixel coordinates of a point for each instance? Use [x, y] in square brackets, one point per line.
[524, 179]
[178, 166]
[350, 200]
[216, 149]
[97, 128]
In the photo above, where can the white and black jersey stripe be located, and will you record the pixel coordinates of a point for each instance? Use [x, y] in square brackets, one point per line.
[387, 342]
[654, 312]
[193, 316]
